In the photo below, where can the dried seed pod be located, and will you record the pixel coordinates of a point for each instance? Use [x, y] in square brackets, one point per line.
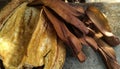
[11, 46]
[99, 20]
[29, 48]
[30, 21]
[108, 55]
[43, 48]
[105, 50]
[61, 56]
[66, 36]
[42, 41]
[102, 25]
[36, 40]
[59, 6]
[9, 8]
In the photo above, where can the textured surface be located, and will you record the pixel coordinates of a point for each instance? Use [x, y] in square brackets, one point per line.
[108, 1]
[112, 12]
[94, 61]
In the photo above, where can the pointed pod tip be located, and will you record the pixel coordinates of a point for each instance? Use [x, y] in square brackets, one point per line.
[81, 57]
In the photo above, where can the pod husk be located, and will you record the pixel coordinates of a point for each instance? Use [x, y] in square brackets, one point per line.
[11, 39]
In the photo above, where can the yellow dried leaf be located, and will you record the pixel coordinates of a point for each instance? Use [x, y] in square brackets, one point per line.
[40, 44]
[59, 62]
[11, 47]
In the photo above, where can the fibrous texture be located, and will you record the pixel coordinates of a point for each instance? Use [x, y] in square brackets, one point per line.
[34, 34]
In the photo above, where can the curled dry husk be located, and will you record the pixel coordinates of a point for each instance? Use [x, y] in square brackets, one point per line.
[103, 38]
[30, 33]
[102, 25]
[11, 41]
[95, 34]
[27, 40]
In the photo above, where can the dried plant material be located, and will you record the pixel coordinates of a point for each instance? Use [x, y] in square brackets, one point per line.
[11, 46]
[108, 55]
[41, 43]
[99, 20]
[112, 41]
[58, 6]
[107, 52]
[9, 8]
[91, 42]
[50, 58]
[43, 47]
[34, 38]
[30, 21]
[101, 23]
[66, 36]
[59, 62]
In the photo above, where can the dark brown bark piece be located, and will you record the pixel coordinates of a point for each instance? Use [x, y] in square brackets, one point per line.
[108, 55]
[62, 9]
[101, 23]
[99, 20]
[66, 36]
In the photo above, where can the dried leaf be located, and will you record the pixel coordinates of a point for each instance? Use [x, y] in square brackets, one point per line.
[9, 8]
[84, 43]
[65, 35]
[61, 56]
[99, 20]
[108, 55]
[34, 42]
[101, 23]
[107, 52]
[59, 6]
[41, 43]
[11, 46]
[91, 42]
[30, 21]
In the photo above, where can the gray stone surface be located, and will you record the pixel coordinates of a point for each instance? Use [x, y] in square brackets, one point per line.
[112, 12]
